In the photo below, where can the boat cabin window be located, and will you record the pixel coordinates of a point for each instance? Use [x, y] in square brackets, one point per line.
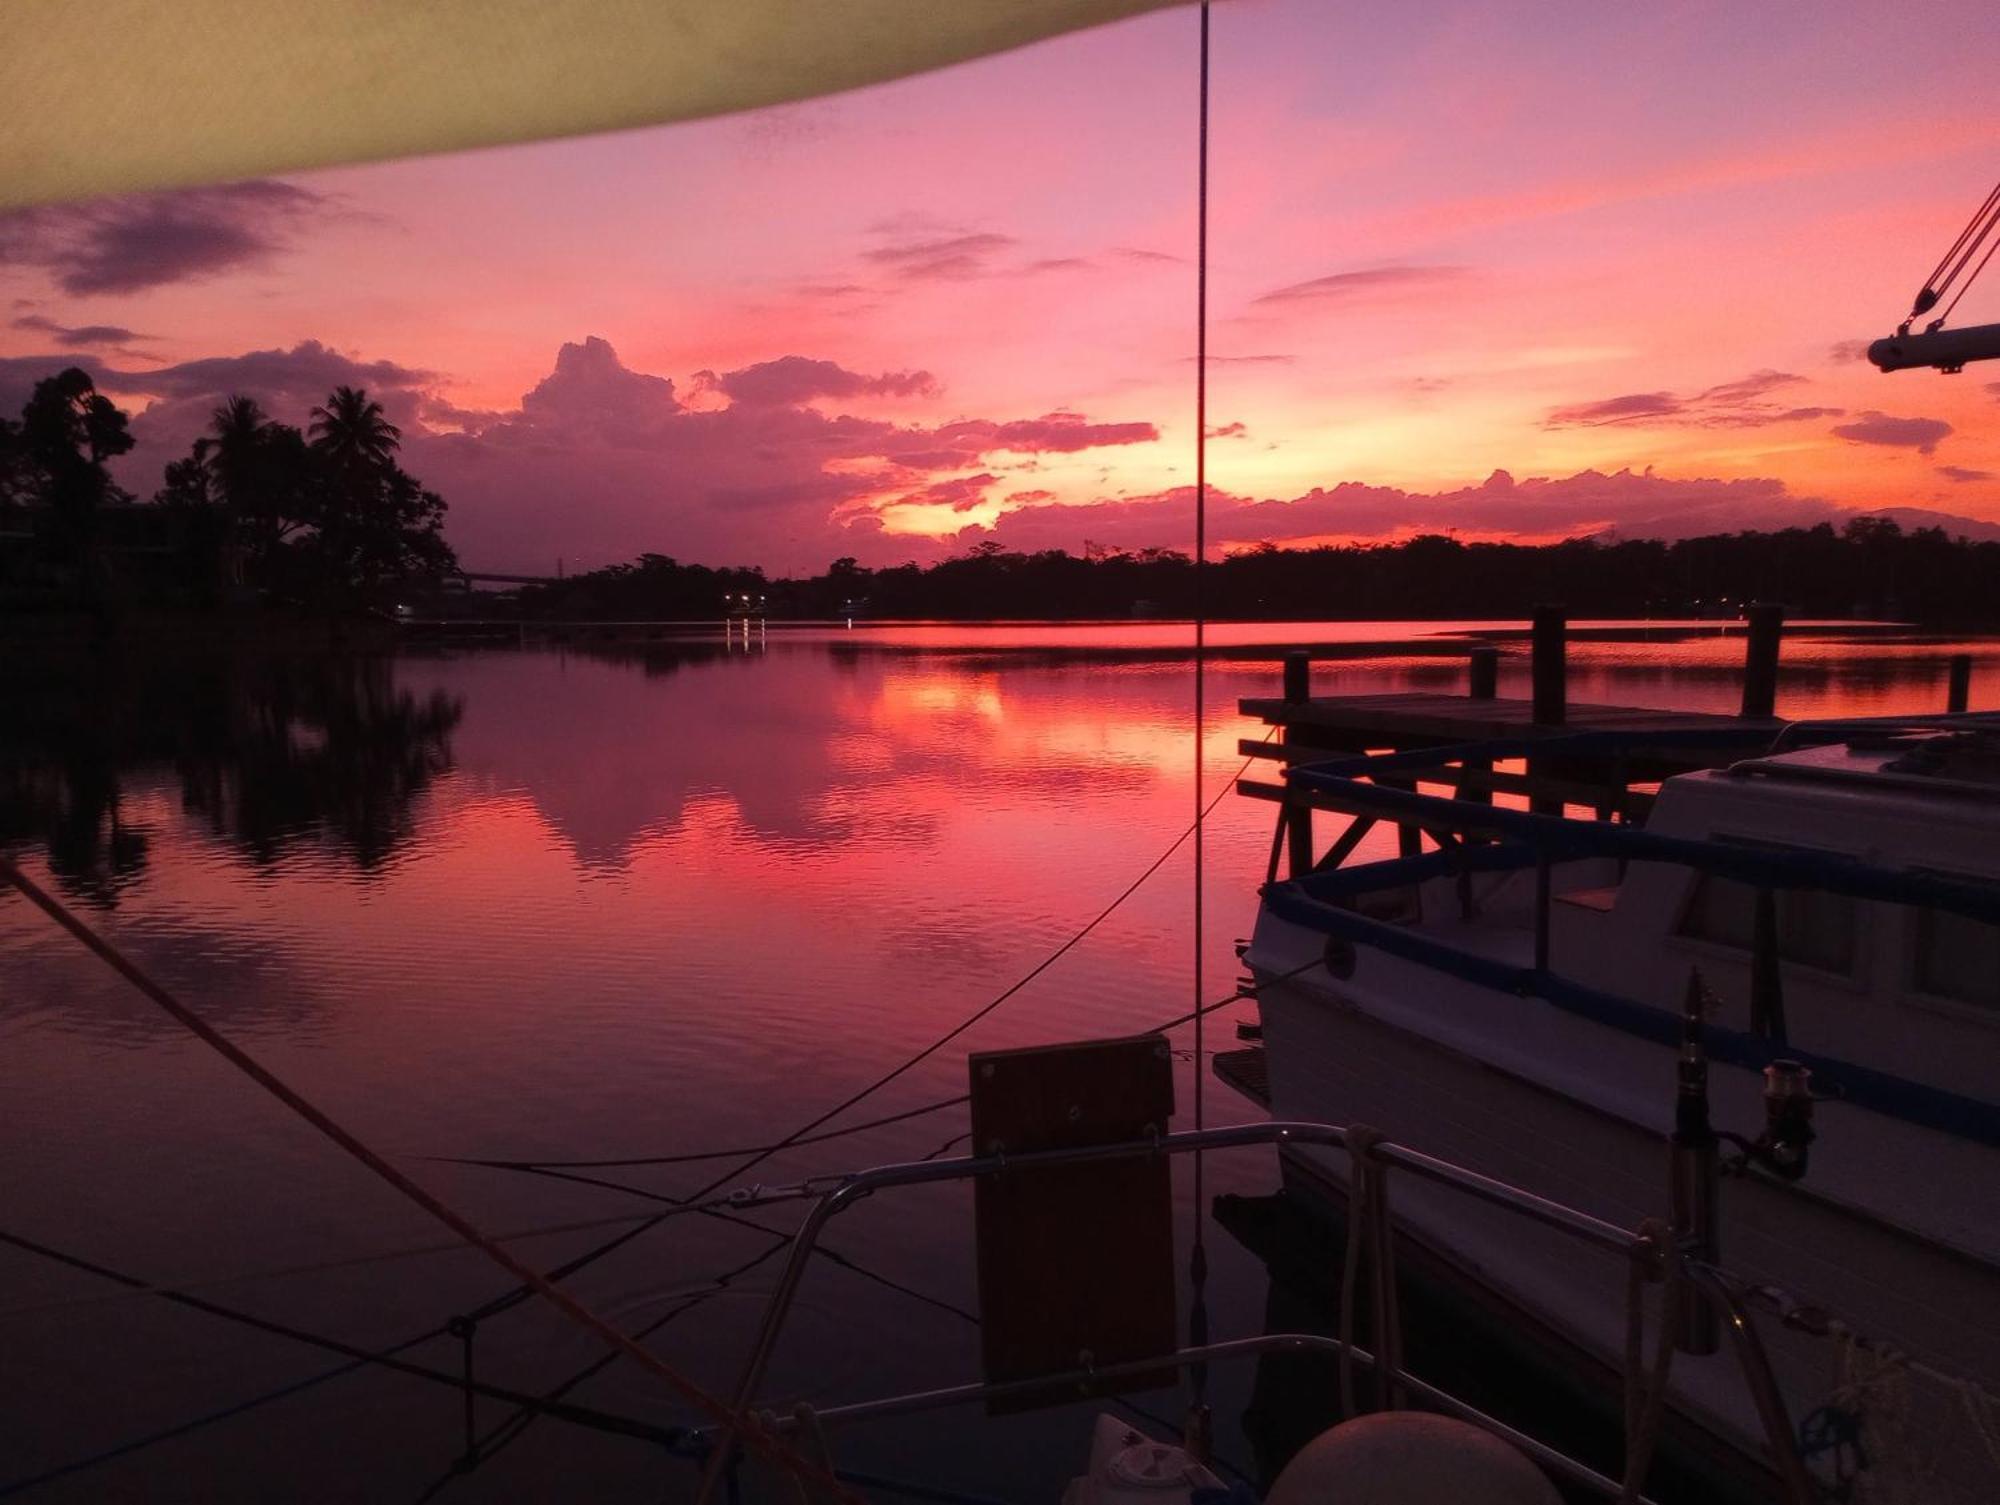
[1956, 959]
[1815, 929]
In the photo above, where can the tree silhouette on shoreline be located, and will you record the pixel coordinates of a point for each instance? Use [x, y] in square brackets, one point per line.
[332, 518]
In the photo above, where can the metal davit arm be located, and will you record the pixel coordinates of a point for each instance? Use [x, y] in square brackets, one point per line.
[1948, 350]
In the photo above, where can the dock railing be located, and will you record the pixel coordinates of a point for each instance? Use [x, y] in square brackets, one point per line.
[1654, 1255]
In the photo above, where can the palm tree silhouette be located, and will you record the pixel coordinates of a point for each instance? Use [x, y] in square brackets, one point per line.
[353, 431]
[236, 433]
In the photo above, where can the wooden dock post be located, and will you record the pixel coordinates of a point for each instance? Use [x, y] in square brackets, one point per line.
[1298, 816]
[1485, 685]
[1298, 677]
[1958, 687]
[1551, 670]
[1485, 681]
[1760, 659]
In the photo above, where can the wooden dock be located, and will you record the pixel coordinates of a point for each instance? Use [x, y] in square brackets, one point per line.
[1427, 719]
[1618, 784]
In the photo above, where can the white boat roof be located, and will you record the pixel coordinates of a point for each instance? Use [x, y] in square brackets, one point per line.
[1962, 765]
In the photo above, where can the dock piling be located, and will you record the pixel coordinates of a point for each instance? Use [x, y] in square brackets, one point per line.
[1551, 669]
[1958, 687]
[1485, 679]
[1549, 666]
[1298, 677]
[1298, 816]
[1760, 659]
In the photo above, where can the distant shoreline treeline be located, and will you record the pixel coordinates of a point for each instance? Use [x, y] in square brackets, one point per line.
[323, 518]
[324, 521]
[1869, 568]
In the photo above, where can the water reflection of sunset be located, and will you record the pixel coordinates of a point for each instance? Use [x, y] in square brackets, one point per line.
[663, 899]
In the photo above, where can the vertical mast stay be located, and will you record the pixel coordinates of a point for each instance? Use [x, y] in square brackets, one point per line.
[1198, 1258]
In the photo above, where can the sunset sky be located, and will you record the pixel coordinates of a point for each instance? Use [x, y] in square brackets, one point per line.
[1526, 270]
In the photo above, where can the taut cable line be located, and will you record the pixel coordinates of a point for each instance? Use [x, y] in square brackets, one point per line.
[748, 1429]
[1198, 1255]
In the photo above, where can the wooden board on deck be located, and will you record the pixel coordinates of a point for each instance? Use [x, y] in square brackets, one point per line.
[1075, 1261]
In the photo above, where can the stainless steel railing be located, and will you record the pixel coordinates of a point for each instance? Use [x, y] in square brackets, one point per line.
[1653, 1252]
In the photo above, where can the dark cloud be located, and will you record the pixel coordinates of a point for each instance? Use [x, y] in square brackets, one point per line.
[1059, 432]
[81, 336]
[1633, 407]
[952, 258]
[124, 245]
[961, 493]
[592, 391]
[795, 379]
[1244, 360]
[1139, 253]
[1743, 403]
[1960, 473]
[1919, 434]
[1631, 504]
[1846, 352]
[278, 378]
[1751, 388]
[1365, 285]
[1236, 430]
[601, 462]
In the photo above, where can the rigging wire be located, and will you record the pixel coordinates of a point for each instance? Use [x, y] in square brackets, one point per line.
[800, 1138]
[563, 1271]
[754, 1433]
[811, 1186]
[700, 1155]
[805, 1135]
[1198, 1253]
[390, 1359]
[183, 1295]
[529, 1406]
[1951, 266]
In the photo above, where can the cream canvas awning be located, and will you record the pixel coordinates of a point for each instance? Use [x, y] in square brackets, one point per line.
[120, 95]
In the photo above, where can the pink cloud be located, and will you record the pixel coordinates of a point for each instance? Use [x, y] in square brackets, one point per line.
[1920, 434]
[1731, 404]
[1372, 283]
[795, 379]
[951, 258]
[1631, 503]
[1059, 432]
[601, 462]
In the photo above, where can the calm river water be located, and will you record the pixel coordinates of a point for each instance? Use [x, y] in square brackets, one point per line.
[609, 903]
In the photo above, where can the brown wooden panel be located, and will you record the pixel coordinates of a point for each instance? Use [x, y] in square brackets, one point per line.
[1076, 1262]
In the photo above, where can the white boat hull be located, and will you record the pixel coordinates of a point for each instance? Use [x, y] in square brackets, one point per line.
[1334, 1056]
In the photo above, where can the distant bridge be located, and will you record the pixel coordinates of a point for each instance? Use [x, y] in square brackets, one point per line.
[469, 576]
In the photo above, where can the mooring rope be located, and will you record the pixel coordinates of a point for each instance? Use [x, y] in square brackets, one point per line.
[770, 1446]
